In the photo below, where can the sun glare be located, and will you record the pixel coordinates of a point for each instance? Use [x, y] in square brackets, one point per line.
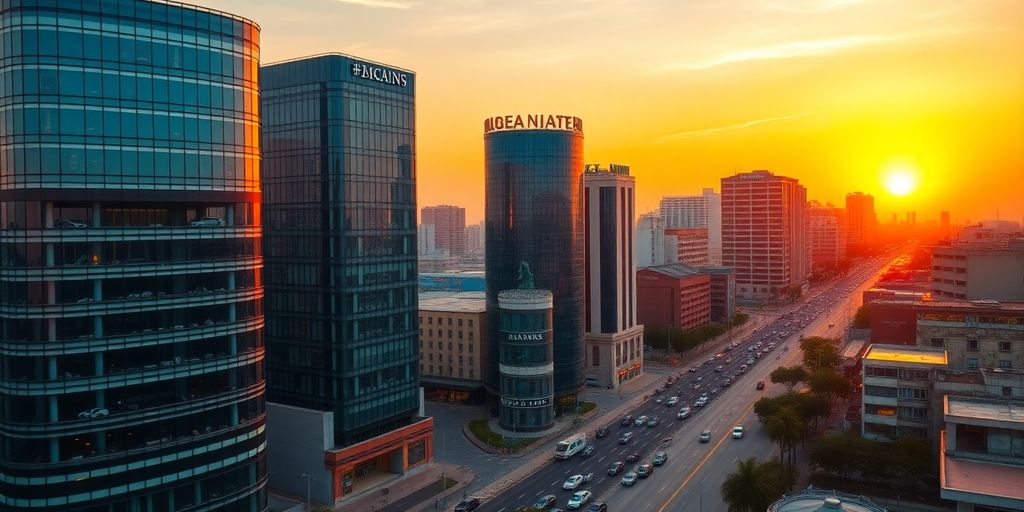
[900, 182]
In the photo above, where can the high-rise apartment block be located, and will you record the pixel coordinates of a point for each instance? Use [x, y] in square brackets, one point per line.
[650, 240]
[475, 239]
[861, 223]
[534, 214]
[610, 271]
[764, 233]
[978, 271]
[132, 304]
[449, 227]
[827, 235]
[426, 240]
[342, 327]
[700, 212]
[686, 246]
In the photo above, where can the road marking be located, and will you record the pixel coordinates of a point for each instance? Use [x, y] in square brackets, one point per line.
[601, 459]
[552, 483]
[523, 495]
[702, 462]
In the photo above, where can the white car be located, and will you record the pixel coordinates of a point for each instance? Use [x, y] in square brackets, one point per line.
[579, 498]
[573, 482]
[70, 223]
[683, 413]
[701, 402]
[208, 221]
[672, 401]
[96, 412]
[737, 432]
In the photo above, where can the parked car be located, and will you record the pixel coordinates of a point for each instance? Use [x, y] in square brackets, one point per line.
[629, 479]
[96, 412]
[573, 482]
[468, 505]
[616, 468]
[644, 470]
[627, 420]
[546, 501]
[705, 436]
[737, 432]
[625, 438]
[208, 221]
[603, 431]
[578, 499]
[760, 384]
[660, 458]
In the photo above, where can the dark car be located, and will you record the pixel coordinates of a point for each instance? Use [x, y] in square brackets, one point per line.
[625, 438]
[603, 431]
[626, 421]
[616, 468]
[644, 470]
[587, 452]
[760, 384]
[660, 458]
[633, 457]
[545, 501]
[597, 507]
[467, 505]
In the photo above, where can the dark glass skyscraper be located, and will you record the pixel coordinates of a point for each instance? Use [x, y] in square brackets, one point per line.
[130, 285]
[340, 218]
[534, 213]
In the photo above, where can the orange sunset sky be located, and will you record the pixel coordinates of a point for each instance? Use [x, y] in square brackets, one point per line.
[841, 94]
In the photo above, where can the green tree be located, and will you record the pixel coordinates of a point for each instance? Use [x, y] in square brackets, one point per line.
[753, 486]
[820, 352]
[911, 458]
[789, 375]
[786, 428]
[862, 320]
[837, 454]
[828, 384]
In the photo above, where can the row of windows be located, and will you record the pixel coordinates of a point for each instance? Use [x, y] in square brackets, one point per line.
[451, 359]
[451, 335]
[122, 253]
[441, 321]
[447, 371]
[440, 344]
[83, 291]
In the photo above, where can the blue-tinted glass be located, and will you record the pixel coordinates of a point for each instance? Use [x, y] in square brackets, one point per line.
[70, 44]
[160, 90]
[128, 128]
[145, 88]
[92, 48]
[145, 124]
[71, 82]
[110, 50]
[93, 84]
[48, 81]
[127, 87]
[28, 41]
[50, 160]
[47, 42]
[93, 122]
[111, 124]
[72, 122]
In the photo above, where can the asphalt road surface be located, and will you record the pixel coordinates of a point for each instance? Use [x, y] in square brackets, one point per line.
[691, 478]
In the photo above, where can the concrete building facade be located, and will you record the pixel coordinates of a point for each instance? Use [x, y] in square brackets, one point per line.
[673, 296]
[696, 212]
[827, 235]
[861, 222]
[764, 233]
[452, 329]
[723, 293]
[610, 271]
[975, 334]
[688, 246]
[650, 240]
[449, 227]
[979, 271]
[898, 397]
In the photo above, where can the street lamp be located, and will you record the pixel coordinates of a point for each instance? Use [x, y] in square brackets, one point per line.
[309, 507]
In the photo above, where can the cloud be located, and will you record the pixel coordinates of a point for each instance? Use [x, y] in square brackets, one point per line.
[738, 126]
[382, 4]
[784, 51]
[814, 6]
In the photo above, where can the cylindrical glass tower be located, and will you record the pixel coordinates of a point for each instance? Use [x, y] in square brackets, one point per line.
[131, 315]
[534, 214]
[525, 367]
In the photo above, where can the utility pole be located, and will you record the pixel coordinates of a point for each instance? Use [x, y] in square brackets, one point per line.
[309, 506]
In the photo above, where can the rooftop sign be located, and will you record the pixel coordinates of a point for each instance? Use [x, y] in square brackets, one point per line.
[533, 122]
[379, 74]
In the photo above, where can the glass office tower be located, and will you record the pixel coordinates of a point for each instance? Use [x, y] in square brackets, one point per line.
[130, 285]
[340, 217]
[534, 214]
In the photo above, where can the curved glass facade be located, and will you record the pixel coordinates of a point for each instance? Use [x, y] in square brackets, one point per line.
[525, 368]
[534, 214]
[131, 315]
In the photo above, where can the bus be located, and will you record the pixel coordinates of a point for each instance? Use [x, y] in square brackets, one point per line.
[570, 446]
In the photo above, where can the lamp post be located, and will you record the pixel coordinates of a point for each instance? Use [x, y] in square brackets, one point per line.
[309, 506]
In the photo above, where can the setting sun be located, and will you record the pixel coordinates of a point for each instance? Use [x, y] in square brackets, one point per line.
[900, 182]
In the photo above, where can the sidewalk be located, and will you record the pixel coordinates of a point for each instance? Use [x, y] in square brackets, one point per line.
[415, 491]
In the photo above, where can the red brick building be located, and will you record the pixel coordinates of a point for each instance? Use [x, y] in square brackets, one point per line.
[673, 295]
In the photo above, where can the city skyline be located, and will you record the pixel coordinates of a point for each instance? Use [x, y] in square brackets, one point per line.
[819, 90]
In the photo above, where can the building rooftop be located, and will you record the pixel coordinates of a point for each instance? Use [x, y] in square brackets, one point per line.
[962, 479]
[674, 270]
[906, 354]
[453, 302]
[853, 348]
[961, 305]
[985, 408]
[814, 500]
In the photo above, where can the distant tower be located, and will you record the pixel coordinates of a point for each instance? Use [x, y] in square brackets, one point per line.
[700, 212]
[860, 221]
[449, 227]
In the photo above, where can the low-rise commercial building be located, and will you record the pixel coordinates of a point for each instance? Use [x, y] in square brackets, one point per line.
[723, 293]
[452, 328]
[975, 334]
[981, 457]
[898, 392]
[979, 271]
[673, 296]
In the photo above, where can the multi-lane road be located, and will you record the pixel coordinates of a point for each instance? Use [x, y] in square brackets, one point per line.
[694, 472]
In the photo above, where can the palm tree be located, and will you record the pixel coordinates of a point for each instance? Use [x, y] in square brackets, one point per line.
[786, 428]
[750, 488]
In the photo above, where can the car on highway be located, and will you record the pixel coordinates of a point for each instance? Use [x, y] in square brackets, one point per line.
[588, 451]
[546, 501]
[737, 432]
[645, 470]
[597, 507]
[652, 421]
[603, 431]
[578, 499]
[468, 505]
[718, 369]
[616, 468]
[659, 458]
[657, 400]
[760, 384]
[705, 436]
[672, 402]
[573, 482]
[629, 479]
[701, 402]
[683, 413]
[633, 457]
[627, 420]
[640, 421]
[625, 438]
